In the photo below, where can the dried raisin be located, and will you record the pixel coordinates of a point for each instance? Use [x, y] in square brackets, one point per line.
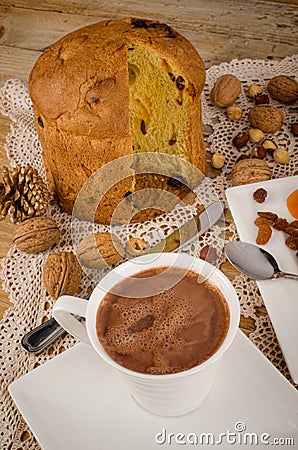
[264, 234]
[280, 224]
[268, 215]
[40, 122]
[263, 221]
[292, 242]
[260, 195]
[180, 83]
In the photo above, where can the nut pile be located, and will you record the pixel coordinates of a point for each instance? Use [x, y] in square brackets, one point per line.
[264, 118]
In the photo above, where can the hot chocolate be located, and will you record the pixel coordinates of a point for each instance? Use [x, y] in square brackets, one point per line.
[167, 332]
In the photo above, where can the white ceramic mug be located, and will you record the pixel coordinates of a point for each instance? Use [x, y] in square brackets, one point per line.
[166, 395]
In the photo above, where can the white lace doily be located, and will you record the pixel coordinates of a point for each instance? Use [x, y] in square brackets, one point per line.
[22, 273]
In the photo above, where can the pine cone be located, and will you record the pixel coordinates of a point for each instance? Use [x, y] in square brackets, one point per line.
[23, 194]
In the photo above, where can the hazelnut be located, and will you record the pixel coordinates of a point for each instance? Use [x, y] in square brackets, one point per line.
[281, 156]
[135, 246]
[269, 145]
[283, 88]
[241, 158]
[254, 90]
[225, 91]
[259, 152]
[234, 112]
[294, 129]
[240, 140]
[255, 135]
[261, 99]
[217, 160]
[209, 254]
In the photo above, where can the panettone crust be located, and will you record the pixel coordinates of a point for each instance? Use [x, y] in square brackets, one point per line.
[80, 92]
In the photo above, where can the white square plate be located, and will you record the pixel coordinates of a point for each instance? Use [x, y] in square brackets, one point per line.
[280, 296]
[76, 401]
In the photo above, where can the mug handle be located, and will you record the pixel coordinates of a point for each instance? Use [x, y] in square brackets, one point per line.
[63, 311]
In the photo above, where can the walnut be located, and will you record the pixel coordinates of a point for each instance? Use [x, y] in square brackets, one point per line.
[267, 118]
[250, 170]
[225, 91]
[281, 156]
[100, 250]
[36, 234]
[217, 160]
[283, 88]
[62, 274]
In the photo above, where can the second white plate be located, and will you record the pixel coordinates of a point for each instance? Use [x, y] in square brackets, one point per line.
[280, 296]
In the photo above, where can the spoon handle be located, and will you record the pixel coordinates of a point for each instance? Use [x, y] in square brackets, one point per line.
[41, 336]
[291, 276]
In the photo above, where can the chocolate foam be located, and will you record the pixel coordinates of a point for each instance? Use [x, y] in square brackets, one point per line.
[167, 332]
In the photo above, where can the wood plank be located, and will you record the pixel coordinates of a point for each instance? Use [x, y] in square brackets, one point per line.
[21, 44]
[94, 7]
[6, 231]
[275, 22]
[16, 63]
[6, 227]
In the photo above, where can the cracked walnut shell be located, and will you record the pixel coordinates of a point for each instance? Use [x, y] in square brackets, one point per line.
[36, 234]
[250, 170]
[267, 118]
[100, 250]
[62, 274]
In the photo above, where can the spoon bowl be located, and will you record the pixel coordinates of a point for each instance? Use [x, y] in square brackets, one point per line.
[254, 261]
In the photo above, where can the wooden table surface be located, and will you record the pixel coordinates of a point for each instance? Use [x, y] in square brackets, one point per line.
[220, 30]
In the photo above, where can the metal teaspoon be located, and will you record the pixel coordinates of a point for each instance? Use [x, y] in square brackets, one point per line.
[254, 261]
